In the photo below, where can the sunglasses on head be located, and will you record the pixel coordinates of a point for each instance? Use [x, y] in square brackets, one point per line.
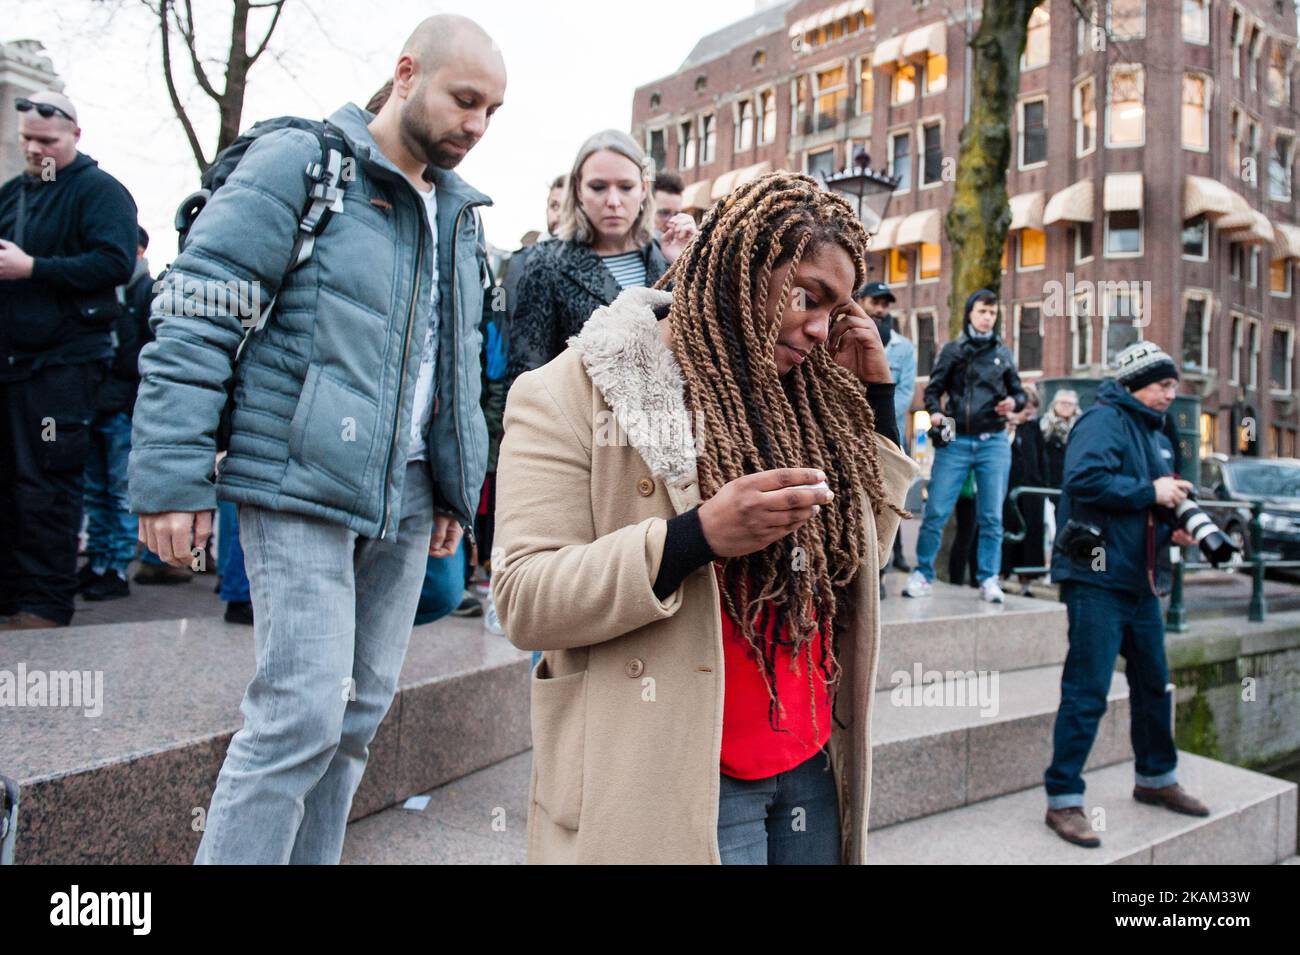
[44, 110]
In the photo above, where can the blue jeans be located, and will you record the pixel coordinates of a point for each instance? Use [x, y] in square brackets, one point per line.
[990, 457]
[332, 618]
[230, 556]
[1104, 623]
[111, 528]
[443, 587]
[792, 818]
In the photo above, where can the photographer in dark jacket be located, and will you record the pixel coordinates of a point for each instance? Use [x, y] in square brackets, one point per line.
[1111, 558]
[110, 526]
[67, 239]
[977, 374]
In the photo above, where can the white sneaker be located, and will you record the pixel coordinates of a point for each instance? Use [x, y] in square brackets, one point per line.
[990, 591]
[917, 586]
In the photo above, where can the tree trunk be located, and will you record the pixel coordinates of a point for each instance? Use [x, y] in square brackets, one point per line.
[979, 215]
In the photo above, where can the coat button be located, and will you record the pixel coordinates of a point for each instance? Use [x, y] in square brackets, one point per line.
[634, 668]
[645, 487]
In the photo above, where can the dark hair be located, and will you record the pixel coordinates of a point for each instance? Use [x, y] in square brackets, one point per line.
[376, 102]
[560, 181]
[670, 183]
[143, 239]
[985, 296]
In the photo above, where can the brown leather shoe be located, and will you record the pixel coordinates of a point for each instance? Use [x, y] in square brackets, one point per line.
[1071, 824]
[29, 621]
[1171, 797]
[148, 574]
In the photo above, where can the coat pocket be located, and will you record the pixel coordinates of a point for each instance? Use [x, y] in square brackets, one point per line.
[333, 428]
[559, 717]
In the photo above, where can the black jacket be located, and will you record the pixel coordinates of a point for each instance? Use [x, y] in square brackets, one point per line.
[130, 333]
[80, 227]
[562, 284]
[975, 374]
[1115, 453]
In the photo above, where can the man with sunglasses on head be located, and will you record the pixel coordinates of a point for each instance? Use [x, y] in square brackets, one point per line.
[67, 240]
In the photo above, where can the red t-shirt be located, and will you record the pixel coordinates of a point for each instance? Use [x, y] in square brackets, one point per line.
[751, 748]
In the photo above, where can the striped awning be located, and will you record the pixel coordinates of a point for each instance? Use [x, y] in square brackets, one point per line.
[883, 240]
[932, 39]
[696, 195]
[1286, 241]
[729, 182]
[829, 15]
[722, 185]
[1027, 210]
[1240, 216]
[888, 51]
[1259, 232]
[1205, 196]
[1122, 192]
[919, 227]
[1074, 203]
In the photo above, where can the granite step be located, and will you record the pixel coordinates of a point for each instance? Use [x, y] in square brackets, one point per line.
[128, 785]
[931, 758]
[1252, 822]
[954, 630]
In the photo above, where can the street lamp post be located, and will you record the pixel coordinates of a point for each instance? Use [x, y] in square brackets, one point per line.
[867, 189]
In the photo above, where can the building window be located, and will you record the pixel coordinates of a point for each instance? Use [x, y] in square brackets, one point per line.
[1196, 111]
[655, 100]
[1279, 359]
[686, 145]
[1252, 355]
[1124, 232]
[1279, 278]
[1033, 132]
[821, 164]
[927, 262]
[900, 160]
[1081, 330]
[1122, 319]
[1038, 41]
[1083, 242]
[1279, 85]
[1085, 117]
[766, 116]
[1029, 337]
[1196, 21]
[759, 59]
[701, 81]
[1256, 56]
[1236, 259]
[896, 266]
[903, 84]
[1196, 238]
[1238, 40]
[1279, 167]
[1128, 19]
[708, 139]
[744, 125]
[923, 333]
[932, 157]
[1234, 365]
[866, 87]
[1126, 113]
[1033, 250]
[1196, 333]
[832, 90]
[658, 149]
[1252, 151]
[1252, 278]
[936, 73]
[1236, 124]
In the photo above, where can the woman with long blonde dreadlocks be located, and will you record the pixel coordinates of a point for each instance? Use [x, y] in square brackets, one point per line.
[694, 501]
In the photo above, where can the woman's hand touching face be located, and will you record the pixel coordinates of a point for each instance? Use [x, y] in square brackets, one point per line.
[855, 344]
[823, 284]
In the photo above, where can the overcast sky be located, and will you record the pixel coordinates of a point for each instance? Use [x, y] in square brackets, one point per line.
[573, 66]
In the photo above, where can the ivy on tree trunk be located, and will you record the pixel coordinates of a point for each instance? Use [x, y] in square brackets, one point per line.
[979, 216]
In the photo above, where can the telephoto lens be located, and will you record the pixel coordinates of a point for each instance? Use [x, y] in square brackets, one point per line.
[1217, 547]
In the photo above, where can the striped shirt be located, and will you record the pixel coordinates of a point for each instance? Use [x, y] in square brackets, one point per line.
[628, 269]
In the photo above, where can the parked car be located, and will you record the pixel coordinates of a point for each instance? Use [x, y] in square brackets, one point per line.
[1274, 480]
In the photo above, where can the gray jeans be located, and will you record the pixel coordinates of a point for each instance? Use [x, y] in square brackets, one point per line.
[333, 615]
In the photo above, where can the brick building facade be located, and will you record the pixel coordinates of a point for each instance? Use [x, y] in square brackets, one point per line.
[1152, 178]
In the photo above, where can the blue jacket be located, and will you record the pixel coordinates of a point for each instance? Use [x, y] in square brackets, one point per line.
[900, 353]
[1114, 455]
[323, 392]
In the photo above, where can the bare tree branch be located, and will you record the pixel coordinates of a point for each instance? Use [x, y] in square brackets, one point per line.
[186, 29]
[261, 48]
[177, 106]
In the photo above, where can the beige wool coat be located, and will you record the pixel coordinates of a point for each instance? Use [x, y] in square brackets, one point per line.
[627, 700]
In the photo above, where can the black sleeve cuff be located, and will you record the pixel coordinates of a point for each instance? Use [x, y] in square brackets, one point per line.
[686, 550]
[880, 395]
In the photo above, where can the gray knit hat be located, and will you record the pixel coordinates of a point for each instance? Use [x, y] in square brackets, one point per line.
[1143, 363]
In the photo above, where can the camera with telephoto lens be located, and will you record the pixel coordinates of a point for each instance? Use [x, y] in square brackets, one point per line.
[1217, 547]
